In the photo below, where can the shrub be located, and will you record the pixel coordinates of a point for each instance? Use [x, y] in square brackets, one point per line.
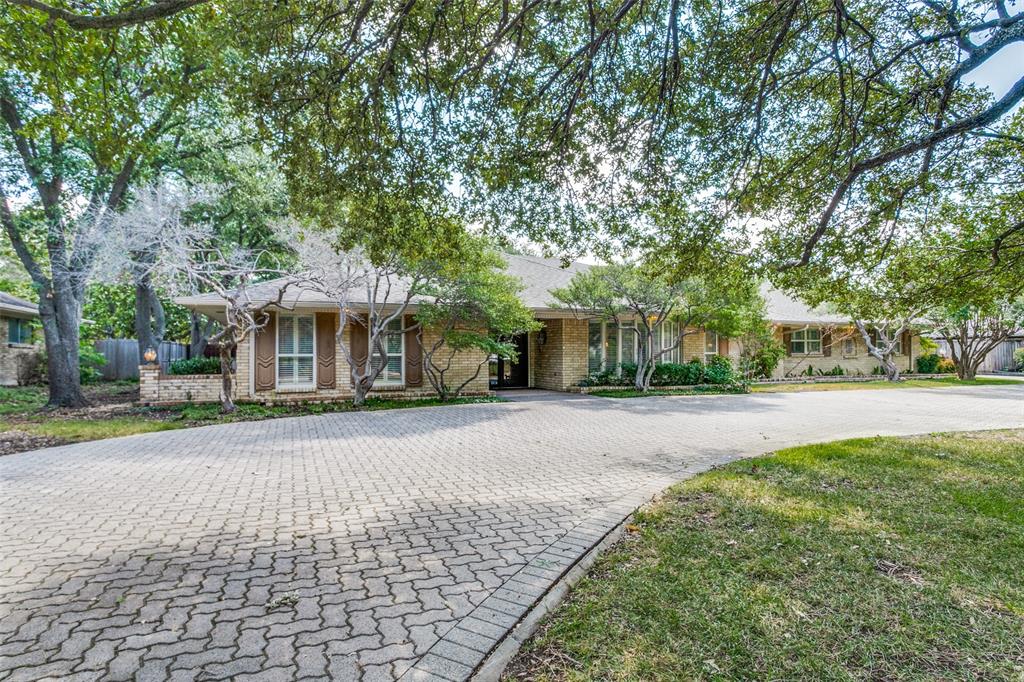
[1018, 358]
[836, 371]
[718, 371]
[678, 374]
[89, 362]
[928, 364]
[195, 366]
[762, 353]
[945, 366]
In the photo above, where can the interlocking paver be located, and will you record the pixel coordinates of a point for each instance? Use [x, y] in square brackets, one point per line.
[365, 545]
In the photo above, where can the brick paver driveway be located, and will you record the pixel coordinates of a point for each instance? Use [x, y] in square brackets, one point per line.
[371, 545]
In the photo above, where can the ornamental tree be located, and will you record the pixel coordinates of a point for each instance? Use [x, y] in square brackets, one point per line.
[974, 331]
[478, 309]
[650, 297]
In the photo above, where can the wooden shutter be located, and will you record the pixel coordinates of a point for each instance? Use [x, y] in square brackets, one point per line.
[266, 362]
[906, 342]
[413, 353]
[723, 346]
[326, 325]
[826, 344]
[787, 341]
[359, 344]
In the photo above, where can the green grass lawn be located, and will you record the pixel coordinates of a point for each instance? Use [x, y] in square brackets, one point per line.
[114, 414]
[881, 559]
[944, 382]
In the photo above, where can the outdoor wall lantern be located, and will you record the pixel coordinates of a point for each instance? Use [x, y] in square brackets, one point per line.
[149, 356]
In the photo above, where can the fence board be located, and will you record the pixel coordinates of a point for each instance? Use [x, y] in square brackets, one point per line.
[122, 356]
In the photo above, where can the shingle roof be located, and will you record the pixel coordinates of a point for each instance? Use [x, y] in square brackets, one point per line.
[539, 277]
[782, 308]
[18, 306]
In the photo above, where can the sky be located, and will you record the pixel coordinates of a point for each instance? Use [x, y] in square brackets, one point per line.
[1002, 70]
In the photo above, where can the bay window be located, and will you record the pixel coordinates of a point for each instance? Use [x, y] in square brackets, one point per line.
[295, 351]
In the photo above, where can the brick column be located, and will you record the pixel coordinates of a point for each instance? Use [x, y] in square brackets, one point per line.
[149, 384]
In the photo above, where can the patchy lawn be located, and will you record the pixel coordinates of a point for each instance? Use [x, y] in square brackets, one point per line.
[881, 559]
[944, 382]
[702, 389]
[25, 424]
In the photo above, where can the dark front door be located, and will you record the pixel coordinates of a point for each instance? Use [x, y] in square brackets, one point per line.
[516, 374]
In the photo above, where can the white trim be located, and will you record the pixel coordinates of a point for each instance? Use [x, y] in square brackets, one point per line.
[382, 378]
[296, 387]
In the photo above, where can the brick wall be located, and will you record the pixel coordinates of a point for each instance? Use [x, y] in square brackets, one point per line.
[859, 362]
[561, 362]
[17, 361]
[157, 388]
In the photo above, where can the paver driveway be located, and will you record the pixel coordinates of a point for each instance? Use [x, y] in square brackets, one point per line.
[370, 545]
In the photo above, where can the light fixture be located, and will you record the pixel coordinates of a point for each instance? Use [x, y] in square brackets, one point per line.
[149, 356]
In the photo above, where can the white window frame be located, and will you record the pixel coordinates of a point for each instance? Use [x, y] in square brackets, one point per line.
[708, 354]
[898, 348]
[293, 385]
[625, 333]
[386, 376]
[804, 341]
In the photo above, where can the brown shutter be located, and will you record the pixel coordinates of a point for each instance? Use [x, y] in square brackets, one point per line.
[787, 338]
[359, 343]
[826, 344]
[874, 338]
[326, 325]
[723, 346]
[266, 347]
[906, 342]
[413, 352]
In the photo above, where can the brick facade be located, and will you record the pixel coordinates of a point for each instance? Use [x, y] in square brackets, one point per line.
[18, 361]
[156, 388]
[561, 361]
[856, 363]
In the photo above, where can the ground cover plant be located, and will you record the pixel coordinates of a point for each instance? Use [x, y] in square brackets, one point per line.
[882, 558]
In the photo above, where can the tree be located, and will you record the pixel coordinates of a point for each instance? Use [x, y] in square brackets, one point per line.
[83, 115]
[632, 291]
[478, 309]
[972, 332]
[183, 252]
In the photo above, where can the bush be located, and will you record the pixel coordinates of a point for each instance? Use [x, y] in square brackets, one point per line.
[195, 366]
[89, 362]
[719, 371]
[836, 371]
[928, 364]
[1018, 358]
[678, 374]
[945, 366]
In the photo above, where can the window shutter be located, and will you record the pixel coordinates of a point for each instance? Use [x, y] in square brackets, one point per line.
[787, 341]
[906, 342]
[359, 343]
[413, 353]
[826, 344]
[266, 369]
[723, 346]
[326, 325]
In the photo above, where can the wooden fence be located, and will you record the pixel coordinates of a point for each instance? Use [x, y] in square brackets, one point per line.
[122, 357]
[1000, 359]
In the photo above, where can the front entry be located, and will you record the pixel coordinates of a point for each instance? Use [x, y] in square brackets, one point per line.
[511, 374]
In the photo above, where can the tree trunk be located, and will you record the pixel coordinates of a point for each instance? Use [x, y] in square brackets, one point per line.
[359, 391]
[59, 317]
[227, 404]
[149, 317]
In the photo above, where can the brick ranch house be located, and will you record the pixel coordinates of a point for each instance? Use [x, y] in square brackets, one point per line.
[296, 358]
[19, 352]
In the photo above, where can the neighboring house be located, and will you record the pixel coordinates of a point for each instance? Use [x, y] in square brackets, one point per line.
[295, 357]
[818, 340]
[19, 353]
[999, 359]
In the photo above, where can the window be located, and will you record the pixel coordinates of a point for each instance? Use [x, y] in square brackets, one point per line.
[710, 346]
[849, 347]
[669, 336]
[804, 341]
[394, 342]
[18, 330]
[295, 350]
[595, 352]
[897, 348]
